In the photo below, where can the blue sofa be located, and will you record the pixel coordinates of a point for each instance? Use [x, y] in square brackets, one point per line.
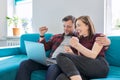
[11, 57]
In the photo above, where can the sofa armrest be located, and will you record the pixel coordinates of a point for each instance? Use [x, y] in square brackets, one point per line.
[8, 51]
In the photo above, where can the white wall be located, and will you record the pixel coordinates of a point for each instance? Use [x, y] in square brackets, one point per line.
[50, 13]
[3, 13]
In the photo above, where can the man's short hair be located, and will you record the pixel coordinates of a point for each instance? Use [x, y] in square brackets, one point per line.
[69, 17]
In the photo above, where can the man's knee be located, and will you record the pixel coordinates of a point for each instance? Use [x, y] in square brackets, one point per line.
[24, 64]
[53, 72]
[54, 68]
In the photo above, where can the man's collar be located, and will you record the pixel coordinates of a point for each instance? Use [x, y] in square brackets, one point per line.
[71, 34]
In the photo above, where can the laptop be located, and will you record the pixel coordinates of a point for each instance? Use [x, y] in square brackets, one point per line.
[36, 52]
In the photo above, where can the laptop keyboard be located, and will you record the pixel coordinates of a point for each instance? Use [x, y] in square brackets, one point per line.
[51, 61]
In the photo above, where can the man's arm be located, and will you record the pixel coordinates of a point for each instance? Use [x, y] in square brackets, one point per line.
[48, 44]
[103, 40]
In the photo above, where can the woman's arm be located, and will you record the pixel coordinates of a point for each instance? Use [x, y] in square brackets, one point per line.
[86, 52]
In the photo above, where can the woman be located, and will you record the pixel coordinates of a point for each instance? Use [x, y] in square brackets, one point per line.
[89, 62]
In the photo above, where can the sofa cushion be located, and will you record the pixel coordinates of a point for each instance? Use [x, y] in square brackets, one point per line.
[113, 53]
[7, 51]
[9, 66]
[107, 79]
[114, 74]
[38, 75]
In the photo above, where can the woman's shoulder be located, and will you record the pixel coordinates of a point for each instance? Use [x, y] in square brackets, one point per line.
[96, 35]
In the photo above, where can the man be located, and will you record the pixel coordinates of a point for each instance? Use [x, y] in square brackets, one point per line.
[55, 44]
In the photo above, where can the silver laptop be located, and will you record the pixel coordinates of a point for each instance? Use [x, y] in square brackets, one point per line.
[36, 52]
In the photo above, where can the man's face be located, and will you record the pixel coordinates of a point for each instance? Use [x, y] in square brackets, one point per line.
[68, 27]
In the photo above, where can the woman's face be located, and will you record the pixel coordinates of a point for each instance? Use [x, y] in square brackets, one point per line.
[81, 28]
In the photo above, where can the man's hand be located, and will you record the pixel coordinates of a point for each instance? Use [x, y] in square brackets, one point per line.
[103, 40]
[43, 30]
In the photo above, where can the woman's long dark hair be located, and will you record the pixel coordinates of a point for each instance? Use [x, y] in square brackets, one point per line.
[86, 20]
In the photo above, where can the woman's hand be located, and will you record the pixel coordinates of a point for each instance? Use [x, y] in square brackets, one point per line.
[74, 41]
[68, 49]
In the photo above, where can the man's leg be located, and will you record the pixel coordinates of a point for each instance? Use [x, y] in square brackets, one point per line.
[53, 72]
[26, 68]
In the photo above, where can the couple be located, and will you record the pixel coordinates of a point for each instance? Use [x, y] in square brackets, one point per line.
[83, 60]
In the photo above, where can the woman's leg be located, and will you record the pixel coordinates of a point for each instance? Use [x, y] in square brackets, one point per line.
[68, 67]
[26, 68]
[79, 65]
[62, 76]
[53, 72]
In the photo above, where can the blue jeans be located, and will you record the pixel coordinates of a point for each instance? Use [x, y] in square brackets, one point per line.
[53, 72]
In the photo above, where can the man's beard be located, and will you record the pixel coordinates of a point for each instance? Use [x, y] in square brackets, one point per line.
[69, 34]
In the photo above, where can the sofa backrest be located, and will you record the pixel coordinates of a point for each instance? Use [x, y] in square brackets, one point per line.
[31, 37]
[113, 53]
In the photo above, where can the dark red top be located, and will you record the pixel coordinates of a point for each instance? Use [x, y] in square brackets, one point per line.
[56, 40]
[89, 43]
